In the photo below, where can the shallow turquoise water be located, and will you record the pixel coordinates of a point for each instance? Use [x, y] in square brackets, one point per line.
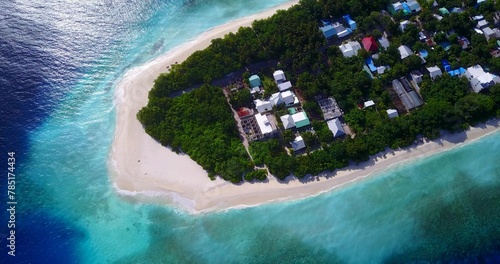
[439, 208]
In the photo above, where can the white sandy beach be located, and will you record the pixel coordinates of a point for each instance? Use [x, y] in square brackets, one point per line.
[143, 170]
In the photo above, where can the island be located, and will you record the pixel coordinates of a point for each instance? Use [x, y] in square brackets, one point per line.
[337, 90]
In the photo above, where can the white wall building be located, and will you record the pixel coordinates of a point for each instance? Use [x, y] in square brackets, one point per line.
[279, 76]
[336, 127]
[404, 51]
[434, 72]
[392, 113]
[264, 124]
[350, 49]
[284, 86]
[263, 106]
[298, 143]
[479, 79]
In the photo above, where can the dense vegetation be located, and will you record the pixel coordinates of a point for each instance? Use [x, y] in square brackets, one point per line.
[201, 124]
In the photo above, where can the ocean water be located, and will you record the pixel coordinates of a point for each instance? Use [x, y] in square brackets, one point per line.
[61, 61]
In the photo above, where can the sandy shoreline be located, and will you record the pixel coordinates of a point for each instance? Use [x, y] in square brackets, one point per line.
[143, 170]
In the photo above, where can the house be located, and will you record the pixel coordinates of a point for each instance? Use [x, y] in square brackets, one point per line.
[325, 22]
[457, 10]
[479, 79]
[300, 119]
[395, 7]
[438, 17]
[392, 113]
[279, 76]
[254, 81]
[287, 97]
[371, 65]
[297, 120]
[381, 69]
[444, 11]
[264, 125]
[403, 25]
[338, 27]
[298, 143]
[434, 72]
[284, 86]
[263, 106]
[255, 90]
[489, 33]
[478, 17]
[350, 48]
[287, 121]
[328, 31]
[344, 33]
[413, 5]
[384, 42]
[464, 42]
[368, 104]
[482, 24]
[336, 127]
[404, 51]
[348, 20]
[416, 76]
[370, 44]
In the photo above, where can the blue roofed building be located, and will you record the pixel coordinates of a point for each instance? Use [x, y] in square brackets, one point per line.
[348, 20]
[369, 62]
[406, 9]
[413, 5]
[328, 31]
[254, 81]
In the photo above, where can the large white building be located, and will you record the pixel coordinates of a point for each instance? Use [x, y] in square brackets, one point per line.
[350, 49]
[479, 79]
[264, 124]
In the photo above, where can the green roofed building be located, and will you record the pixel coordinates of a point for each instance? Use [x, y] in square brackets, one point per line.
[254, 81]
[300, 119]
[444, 11]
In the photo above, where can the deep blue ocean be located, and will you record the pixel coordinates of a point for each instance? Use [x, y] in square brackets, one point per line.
[60, 62]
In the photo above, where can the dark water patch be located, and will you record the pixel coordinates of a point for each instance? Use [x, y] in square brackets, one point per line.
[44, 238]
[460, 228]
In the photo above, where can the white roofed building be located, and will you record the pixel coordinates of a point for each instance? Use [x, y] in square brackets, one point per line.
[434, 72]
[287, 121]
[489, 33]
[350, 49]
[384, 42]
[264, 124]
[262, 106]
[479, 79]
[336, 127]
[279, 76]
[404, 51]
[287, 97]
[368, 104]
[284, 86]
[298, 143]
[392, 113]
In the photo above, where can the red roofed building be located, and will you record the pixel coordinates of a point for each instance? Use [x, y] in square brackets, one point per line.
[370, 44]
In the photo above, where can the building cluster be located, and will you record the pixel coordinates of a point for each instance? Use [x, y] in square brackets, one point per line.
[260, 123]
[406, 89]
[339, 29]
